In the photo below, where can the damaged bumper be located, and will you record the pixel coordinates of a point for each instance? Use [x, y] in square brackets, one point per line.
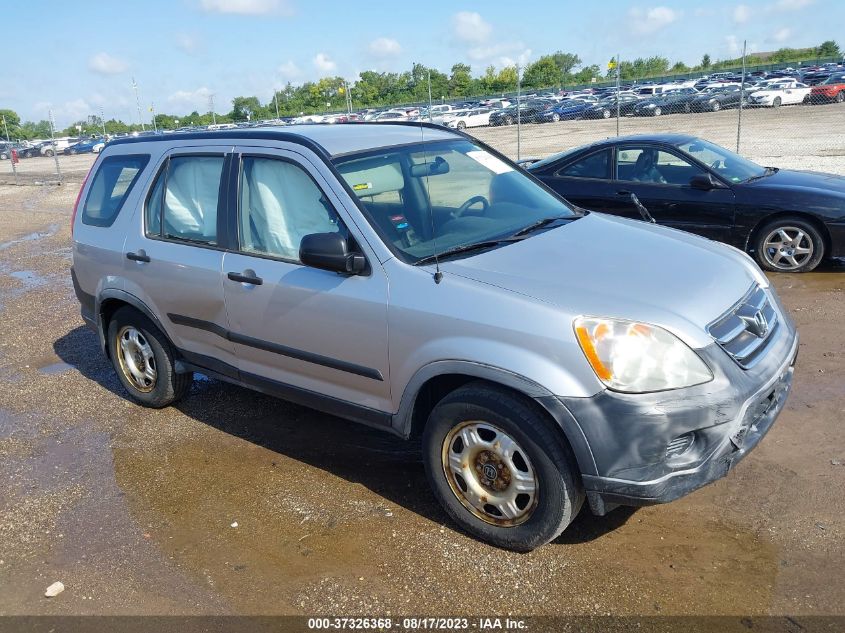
[654, 448]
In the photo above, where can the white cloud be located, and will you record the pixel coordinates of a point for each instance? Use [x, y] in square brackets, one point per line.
[469, 26]
[500, 54]
[289, 71]
[781, 35]
[385, 47]
[74, 110]
[651, 20]
[247, 7]
[733, 45]
[187, 43]
[324, 64]
[105, 64]
[742, 13]
[191, 99]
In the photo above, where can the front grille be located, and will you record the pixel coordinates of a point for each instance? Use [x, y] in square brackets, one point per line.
[745, 330]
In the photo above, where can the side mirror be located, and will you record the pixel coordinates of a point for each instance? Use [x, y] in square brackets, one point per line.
[329, 251]
[704, 182]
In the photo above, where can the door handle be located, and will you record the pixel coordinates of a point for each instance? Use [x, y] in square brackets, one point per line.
[140, 256]
[623, 192]
[246, 277]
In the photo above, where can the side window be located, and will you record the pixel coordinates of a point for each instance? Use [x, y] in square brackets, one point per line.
[111, 185]
[279, 205]
[183, 201]
[650, 165]
[596, 165]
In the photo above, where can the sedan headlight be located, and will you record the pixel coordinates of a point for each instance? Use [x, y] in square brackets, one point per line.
[638, 357]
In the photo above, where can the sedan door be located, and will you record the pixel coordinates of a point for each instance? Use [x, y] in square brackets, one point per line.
[585, 180]
[306, 332]
[661, 179]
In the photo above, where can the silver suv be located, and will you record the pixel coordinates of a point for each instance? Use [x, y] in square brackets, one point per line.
[410, 278]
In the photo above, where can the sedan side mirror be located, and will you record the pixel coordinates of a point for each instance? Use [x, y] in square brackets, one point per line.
[704, 182]
[329, 251]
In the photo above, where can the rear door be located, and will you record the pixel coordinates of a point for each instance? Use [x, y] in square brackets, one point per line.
[585, 181]
[660, 178]
[312, 330]
[173, 254]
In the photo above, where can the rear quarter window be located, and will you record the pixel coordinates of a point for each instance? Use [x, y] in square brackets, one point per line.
[112, 184]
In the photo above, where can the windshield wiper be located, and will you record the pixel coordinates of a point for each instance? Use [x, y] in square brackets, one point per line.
[769, 171]
[463, 248]
[539, 224]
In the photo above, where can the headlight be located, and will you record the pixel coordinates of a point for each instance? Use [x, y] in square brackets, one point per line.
[638, 357]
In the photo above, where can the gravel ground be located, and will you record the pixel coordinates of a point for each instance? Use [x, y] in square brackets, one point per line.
[132, 509]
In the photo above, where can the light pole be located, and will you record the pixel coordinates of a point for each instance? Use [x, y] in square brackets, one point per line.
[138, 104]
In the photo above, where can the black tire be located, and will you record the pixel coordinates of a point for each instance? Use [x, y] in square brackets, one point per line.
[508, 120]
[687, 108]
[658, 112]
[461, 125]
[555, 117]
[808, 228]
[777, 102]
[169, 386]
[558, 484]
[806, 99]
[840, 96]
[717, 106]
[4, 156]
[605, 113]
[49, 152]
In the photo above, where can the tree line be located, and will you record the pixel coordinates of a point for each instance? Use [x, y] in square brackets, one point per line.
[559, 70]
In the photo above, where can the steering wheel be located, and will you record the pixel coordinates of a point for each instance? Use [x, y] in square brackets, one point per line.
[474, 200]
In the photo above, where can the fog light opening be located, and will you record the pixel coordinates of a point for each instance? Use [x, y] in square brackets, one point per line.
[680, 445]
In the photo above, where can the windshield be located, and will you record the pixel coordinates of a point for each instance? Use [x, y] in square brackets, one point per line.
[429, 198]
[835, 79]
[732, 167]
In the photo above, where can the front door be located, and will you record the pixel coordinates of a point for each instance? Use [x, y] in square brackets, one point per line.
[305, 329]
[661, 180]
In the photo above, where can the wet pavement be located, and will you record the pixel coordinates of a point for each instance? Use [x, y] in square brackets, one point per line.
[132, 509]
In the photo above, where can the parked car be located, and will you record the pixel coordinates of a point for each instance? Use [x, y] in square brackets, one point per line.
[635, 381]
[715, 99]
[529, 112]
[778, 94]
[38, 149]
[390, 116]
[831, 89]
[677, 100]
[789, 220]
[6, 150]
[89, 145]
[479, 117]
[607, 107]
[567, 110]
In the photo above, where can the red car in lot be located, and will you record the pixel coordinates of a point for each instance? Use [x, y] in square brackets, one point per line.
[831, 89]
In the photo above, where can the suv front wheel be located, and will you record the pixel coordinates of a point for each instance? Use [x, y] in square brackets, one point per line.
[499, 468]
[143, 360]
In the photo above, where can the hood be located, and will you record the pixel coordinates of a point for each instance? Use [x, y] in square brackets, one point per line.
[795, 179]
[602, 265]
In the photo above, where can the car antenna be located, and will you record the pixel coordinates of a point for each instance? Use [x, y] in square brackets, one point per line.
[641, 208]
[438, 275]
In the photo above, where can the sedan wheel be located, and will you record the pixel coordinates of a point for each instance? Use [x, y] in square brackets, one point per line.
[508, 121]
[555, 117]
[605, 114]
[840, 96]
[776, 103]
[461, 125]
[790, 245]
[687, 108]
[49, 152]
[717, 106]
[658, 112]
[136, 359]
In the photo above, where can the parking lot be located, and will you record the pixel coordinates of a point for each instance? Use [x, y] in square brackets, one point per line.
[233, 502]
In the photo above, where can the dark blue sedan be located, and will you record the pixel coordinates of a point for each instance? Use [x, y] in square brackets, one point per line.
[565, 110]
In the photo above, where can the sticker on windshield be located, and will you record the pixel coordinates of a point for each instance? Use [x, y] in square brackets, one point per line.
[362, 186]
[496, 165]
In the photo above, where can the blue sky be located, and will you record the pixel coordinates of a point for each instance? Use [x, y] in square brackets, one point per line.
[79, 57]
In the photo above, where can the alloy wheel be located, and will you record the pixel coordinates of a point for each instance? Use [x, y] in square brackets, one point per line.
[490, 473]
[787, 248]
[136, 359]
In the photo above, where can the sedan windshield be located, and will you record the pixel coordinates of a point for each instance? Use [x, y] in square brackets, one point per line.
[429, 198]
[732, 167]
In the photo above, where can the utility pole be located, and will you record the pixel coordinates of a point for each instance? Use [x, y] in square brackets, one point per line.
[518, 115]
[11, 156]
[153, 110]
[53, 142]
[618, 79]
[138, 104]
[429, 96]
[276, 101]
[103, 120]
[741, 97]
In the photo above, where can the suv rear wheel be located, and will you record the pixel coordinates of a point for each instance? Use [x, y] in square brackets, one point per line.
[143, 360]
[499, 469]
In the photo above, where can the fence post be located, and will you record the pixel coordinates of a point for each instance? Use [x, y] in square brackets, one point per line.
[55, 149]
[618, 86]
[429, 96]
[741, 97]
[12, 155]
[518, 115]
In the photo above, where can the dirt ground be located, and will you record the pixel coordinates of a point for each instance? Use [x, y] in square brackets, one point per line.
[132, 509]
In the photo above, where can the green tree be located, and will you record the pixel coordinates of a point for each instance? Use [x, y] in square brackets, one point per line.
[705, 61]
[13, 122]
[543, 73]
[829, 48]
[679, 68]
[460, 81]
[245, 109]
[566, 62]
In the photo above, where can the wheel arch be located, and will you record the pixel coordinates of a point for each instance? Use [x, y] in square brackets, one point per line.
[110, 301]
[801, 215]
[435, 381]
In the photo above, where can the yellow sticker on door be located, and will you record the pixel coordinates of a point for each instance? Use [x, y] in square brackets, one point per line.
[362, 186]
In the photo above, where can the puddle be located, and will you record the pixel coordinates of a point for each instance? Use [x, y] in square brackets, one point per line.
[28, 278]
[31, 237]
[55, 368]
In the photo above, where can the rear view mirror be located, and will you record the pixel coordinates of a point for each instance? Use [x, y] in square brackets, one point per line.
[437, 167]
[704, 182]
[329, 251]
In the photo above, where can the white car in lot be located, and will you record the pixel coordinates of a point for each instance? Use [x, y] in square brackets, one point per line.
[478, 117]
[778, 94]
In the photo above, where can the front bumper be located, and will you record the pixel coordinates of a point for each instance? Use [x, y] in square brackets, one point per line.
[631, 437]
